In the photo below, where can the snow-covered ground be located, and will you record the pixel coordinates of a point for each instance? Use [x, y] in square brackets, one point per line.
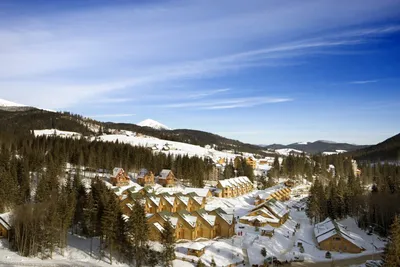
[6, 103]
[176, 148]
[55, 132]
[287, 151]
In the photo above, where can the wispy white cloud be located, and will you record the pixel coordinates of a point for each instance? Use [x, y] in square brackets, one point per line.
[228, 103]
[208, 93]
[90, 53]
[117, 115]
[364, 82]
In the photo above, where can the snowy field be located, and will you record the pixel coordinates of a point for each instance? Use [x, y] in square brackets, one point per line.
[177, 148]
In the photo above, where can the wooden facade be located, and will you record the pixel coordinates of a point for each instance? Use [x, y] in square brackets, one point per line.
[339, 244]
[145, 177]
[166, 178]
[5, 225]
[119, 177]
[234, 187]
[332, 236]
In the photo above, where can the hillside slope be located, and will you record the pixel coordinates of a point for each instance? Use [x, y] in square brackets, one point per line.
[318, 146]
[23, 121]
[388, 150]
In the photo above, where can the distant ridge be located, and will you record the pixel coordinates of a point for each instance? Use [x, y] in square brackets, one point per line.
[316, 147]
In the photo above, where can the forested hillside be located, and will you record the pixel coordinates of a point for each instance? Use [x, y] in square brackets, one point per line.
[22, 122]
[388, 150]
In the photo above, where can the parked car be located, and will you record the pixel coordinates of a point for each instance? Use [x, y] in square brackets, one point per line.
[273, 260]
[298, 258]
[373, 263]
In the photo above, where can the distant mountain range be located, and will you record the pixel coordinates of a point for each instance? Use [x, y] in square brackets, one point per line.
[319, 146]
[19, 118]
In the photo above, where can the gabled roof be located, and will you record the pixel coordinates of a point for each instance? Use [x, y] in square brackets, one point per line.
[198, 200]
[201, 192]
[183, 199]
[228, 218]
[169, 199]
[328, 228]
[155, 200]
[164, 173]
[225, 183]
[116, 171]
[5, 220]
[187, 217]
[197, 246]
[276, 207]
[159, 227]
[143, 172]
[210, 219]
[166, 215]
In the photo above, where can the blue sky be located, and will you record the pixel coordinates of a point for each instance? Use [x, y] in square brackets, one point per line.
[258, 71]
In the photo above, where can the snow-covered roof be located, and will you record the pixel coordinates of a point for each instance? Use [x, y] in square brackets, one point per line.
[143, 172]
[225, 183]
[260, 219]
[237, 181]
[226, 217]
[207, 217]
[201, 192]
[164, 173]
[328, 228]
[276, 207]
[5, 220]
[197, 246]
[158, 226]
[184, 200]
[165, 215]
[116, 171]
[190, 219]
[199, 200]
[155, 200]
[169, 199]
[267, 228]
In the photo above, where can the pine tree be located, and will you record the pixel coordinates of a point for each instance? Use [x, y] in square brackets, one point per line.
[213, 264]
[168, 242]
[391, 256]
[138, 233]
[200, 263]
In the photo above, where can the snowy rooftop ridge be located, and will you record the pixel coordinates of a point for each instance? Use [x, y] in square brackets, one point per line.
[153, 124]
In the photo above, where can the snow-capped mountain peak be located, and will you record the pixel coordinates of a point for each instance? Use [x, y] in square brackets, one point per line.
[6, 103]
[153, 124]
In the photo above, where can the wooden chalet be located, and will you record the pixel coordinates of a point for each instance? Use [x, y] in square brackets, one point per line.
[119, 177]
[261, 217]
[5, 225]
[166, 178]
[225, 223]
[332, 236]
[145, 177]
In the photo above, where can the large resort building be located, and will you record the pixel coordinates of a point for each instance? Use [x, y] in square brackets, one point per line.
[234, 187]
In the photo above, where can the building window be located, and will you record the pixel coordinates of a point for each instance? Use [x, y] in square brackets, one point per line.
[336, 238]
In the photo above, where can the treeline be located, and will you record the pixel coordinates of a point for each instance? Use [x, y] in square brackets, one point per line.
[369, 196]
[20, 155]
[61, 205]
[238, 167]
[303, 166]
